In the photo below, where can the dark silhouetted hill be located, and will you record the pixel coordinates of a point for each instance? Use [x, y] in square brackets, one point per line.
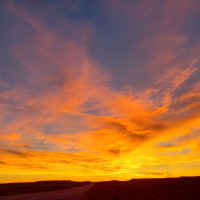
[40, 186]
[184, 188]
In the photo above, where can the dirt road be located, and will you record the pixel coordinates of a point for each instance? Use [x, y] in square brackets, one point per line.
[76, 193]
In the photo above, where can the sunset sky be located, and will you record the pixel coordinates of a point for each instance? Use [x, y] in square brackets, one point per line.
[99, 89]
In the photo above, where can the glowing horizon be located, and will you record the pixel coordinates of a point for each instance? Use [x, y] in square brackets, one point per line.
[99, 90]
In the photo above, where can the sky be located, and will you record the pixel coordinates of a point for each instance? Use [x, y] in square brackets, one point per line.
[99, 89]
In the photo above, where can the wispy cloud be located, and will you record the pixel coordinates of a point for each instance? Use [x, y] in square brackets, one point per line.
[180, 140]
[74, 107]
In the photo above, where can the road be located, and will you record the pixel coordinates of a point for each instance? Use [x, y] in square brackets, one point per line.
[76, 193]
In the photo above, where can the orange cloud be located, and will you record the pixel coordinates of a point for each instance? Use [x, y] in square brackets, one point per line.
[63, 117]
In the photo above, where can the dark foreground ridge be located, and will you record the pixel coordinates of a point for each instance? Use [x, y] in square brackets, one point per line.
[184, 188]
[35, 187]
